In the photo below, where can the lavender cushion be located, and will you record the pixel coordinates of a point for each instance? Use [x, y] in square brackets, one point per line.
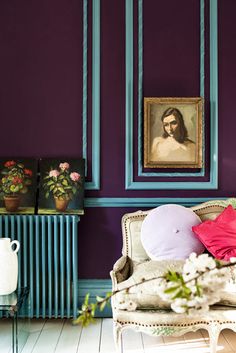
[166, 233]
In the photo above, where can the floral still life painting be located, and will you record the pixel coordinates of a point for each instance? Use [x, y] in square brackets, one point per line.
[18, 179]
[61, 186]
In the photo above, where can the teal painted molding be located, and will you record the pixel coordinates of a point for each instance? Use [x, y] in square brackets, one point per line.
[140, 95]
[130, 184]
[140, 86]
[95, 287]
[129, 93]
[95, 183]
[176, 185]
[85, 79]
[214, 90]
[202, 48]
[144, 202]
[202, 77]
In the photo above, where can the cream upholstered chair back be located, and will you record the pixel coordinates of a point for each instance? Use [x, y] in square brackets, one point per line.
[160, 322]
[132, 222]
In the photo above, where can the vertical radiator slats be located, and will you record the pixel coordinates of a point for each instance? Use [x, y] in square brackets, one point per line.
[43, 268]
[56, 266]
[48, 261]
[75, 266]
[37, 267]
[19, 222]
[6, 225]
[25, 252]
[50, 270]
[68, 266]
[62, 265]
[12, 227]
[31, 266]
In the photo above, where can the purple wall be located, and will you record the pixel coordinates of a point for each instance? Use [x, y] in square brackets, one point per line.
[41, 65]
[41, 77]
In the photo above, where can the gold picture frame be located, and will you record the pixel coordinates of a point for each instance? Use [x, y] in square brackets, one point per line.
[173, 132]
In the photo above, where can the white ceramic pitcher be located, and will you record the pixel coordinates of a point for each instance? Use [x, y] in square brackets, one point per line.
[8, 265]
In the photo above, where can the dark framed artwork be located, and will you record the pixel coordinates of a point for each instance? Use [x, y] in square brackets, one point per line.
[18, 185]
[173, 132]
[61, 189]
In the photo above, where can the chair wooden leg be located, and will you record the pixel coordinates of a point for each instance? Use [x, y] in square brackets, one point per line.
[214, 331]
[117, 336]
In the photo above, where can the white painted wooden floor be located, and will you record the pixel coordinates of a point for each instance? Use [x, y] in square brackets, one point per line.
[59, 336]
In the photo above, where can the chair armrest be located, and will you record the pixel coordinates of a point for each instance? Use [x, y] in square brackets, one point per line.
[121, 271]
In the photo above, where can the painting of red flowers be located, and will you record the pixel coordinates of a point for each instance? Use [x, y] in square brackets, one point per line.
[18, 178]
[61, 189]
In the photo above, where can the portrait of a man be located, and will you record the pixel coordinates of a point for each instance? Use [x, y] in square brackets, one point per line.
[172, 132]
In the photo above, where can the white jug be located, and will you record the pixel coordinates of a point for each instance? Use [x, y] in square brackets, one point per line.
[8, 265]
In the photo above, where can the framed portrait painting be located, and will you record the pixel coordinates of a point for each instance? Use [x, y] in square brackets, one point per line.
[173, 132]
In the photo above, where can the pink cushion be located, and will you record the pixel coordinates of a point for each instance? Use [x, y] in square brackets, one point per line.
[166, 233]
[219, 235]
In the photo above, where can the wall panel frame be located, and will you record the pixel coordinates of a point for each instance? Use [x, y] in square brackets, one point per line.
[95, 183]
[130, 184]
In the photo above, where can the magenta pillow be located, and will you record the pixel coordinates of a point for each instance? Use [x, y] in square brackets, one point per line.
[166, 233]
[219, 235]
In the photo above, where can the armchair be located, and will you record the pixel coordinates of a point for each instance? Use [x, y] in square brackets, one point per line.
[152, 317]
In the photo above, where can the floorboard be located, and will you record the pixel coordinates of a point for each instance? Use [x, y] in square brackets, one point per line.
[69, 339]
[230, 337]
[152, 344]
[5, 335]
[222, 346]
[36, 328]
[49, 336]
[196, 342]
[132, 341]
[107, 344]
[90, 338]
[175, 344]
[60, 336]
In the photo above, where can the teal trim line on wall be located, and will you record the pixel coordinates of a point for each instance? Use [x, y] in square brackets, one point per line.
[95, 183]
[140, 95]
[95, 287]
[85, 79]
[130, 184]
[202, 48]
[129, 92]
[144, 202]
[214, 90]
[202, 77]
[140, 86]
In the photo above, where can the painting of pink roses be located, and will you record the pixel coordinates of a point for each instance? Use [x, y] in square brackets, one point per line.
[61, 188]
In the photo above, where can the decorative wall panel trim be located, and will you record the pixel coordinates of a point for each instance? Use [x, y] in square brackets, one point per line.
[140, 94]
[202, 48]
[144, 202]
[140, 86]
[130, 184]
[129, 94]
[202, 77]
[85, 79]
[95, 183]
[214, 91]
